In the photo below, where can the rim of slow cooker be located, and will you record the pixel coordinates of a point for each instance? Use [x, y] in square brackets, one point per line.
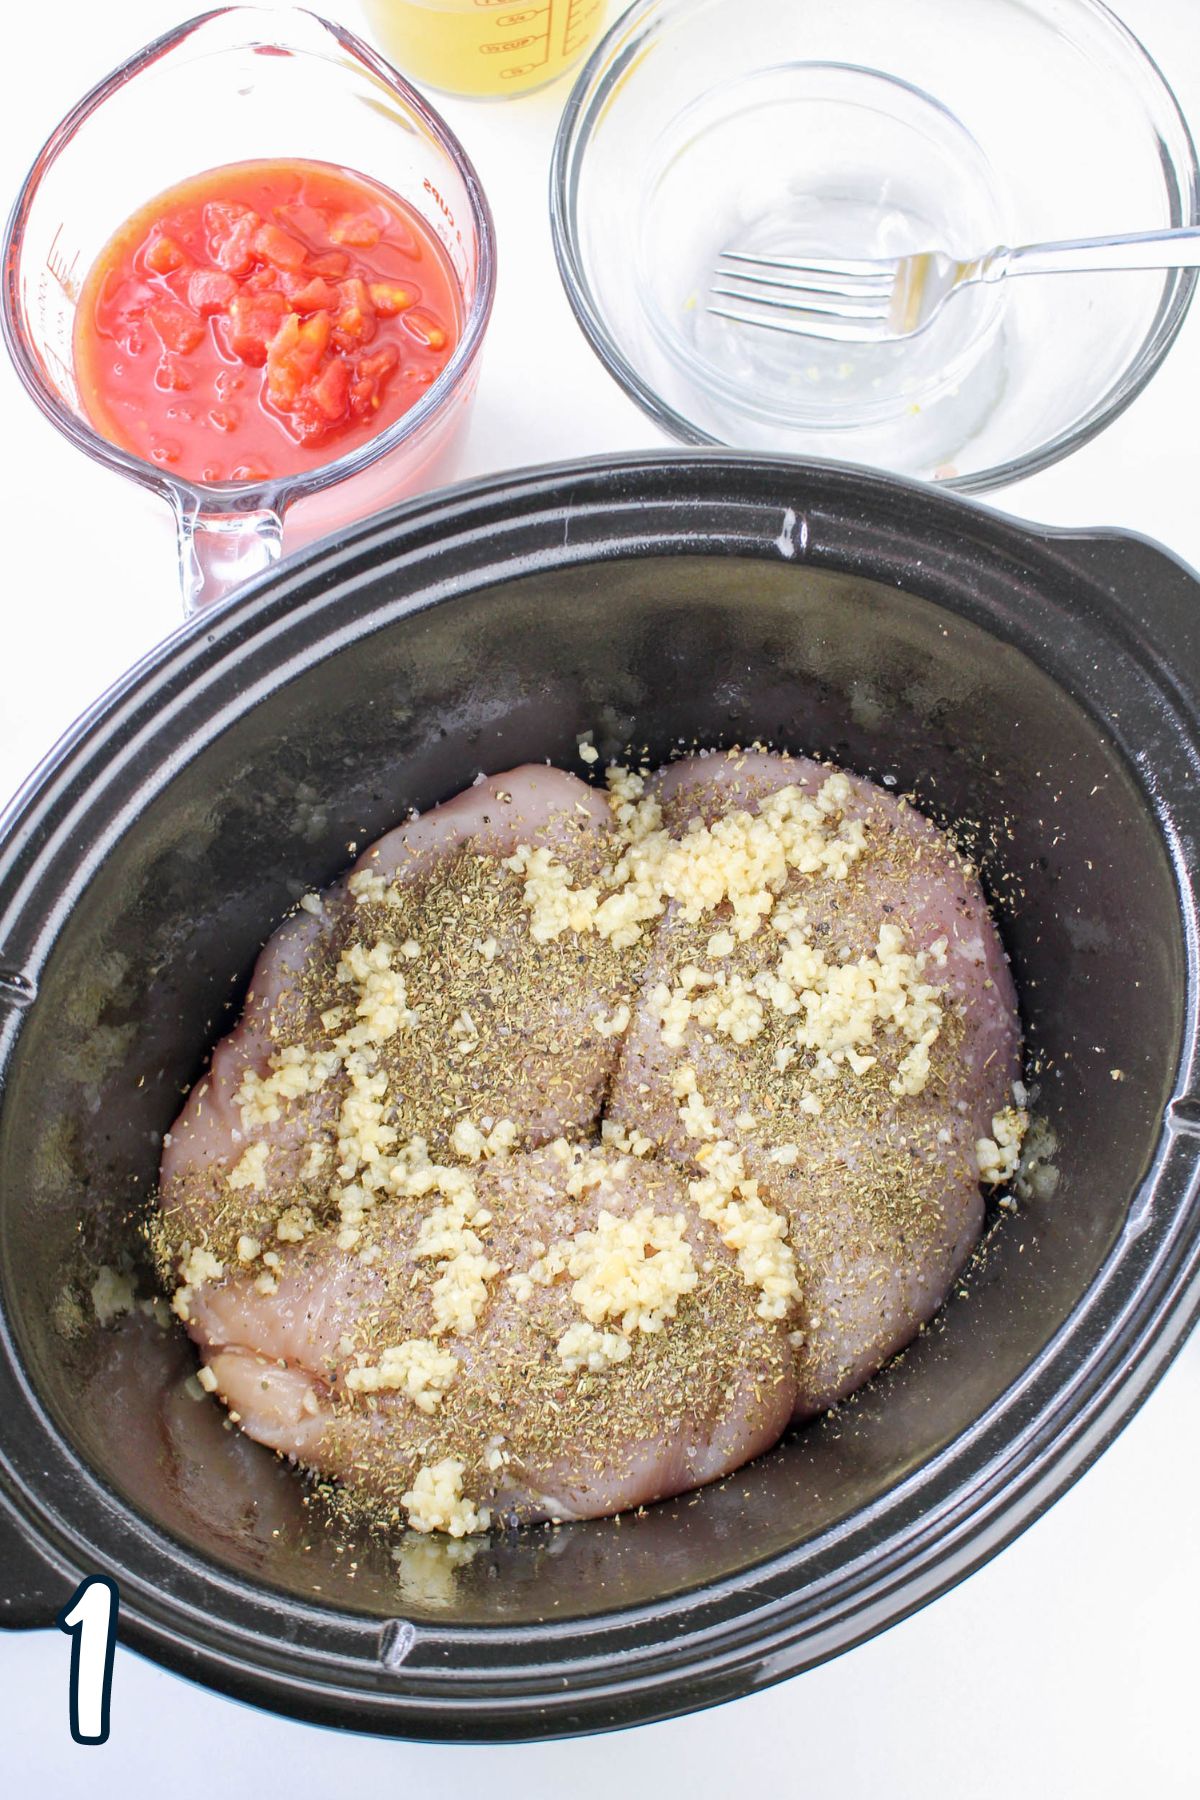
[950, 1514]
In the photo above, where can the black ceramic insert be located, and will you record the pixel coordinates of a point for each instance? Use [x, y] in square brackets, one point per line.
[1042, 688]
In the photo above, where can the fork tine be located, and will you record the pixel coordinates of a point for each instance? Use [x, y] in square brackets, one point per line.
[834, 308]
[807, 326]
[851, 287]
[842, 299]
[862, 268]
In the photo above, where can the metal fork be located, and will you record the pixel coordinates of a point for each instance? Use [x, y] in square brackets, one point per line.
[878, 299]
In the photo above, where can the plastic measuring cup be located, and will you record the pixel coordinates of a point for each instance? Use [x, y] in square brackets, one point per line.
[485, 47]
[232, 86]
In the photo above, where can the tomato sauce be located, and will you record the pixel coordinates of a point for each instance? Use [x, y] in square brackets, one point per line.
[261, 320]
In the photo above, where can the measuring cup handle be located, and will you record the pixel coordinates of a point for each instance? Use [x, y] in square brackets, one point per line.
[219, 551]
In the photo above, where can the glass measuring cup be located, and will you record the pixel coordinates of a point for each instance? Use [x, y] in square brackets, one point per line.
[232, 86]
[485, 47]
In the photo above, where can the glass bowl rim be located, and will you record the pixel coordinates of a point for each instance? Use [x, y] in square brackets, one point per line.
[587, 102]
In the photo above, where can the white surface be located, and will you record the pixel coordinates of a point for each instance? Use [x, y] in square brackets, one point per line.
[1067, 1666]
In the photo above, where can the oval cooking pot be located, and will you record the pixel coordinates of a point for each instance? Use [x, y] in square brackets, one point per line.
[1039, 689]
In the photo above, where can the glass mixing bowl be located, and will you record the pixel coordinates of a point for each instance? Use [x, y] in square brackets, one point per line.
[788, 127]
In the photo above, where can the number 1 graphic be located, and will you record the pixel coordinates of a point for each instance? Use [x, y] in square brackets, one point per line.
[90, 1619]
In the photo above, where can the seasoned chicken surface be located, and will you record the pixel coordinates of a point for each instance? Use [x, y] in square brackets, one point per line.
[573, 1143]
[882, 1194]
[701, 1386]
[501, 1027]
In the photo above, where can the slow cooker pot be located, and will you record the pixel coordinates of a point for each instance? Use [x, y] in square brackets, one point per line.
[1039, 689]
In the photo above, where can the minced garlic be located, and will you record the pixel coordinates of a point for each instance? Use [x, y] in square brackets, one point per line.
[250, 1170]
[199, 1266]
[729, 1199]
[379, 1010]
[435, 1501]
[448, 1236]
[196, 1266]
[367, 887]
[554, 905]
[472, 1143]
[840, 1007]
[112, 1295]
[382, 998]
[743, 860]
[294, 1074]
[614, 1027]
[631, 1142]
[633, 1267]
[294, 1224]
[999, 1156]
[316, 1161]
[696, 1116]
[582, 1346]
[419, 1368]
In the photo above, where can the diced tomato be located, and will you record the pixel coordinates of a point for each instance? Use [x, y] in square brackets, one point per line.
[309, 222]
[171, 377]
[177, 328]
[306, 420]
[260, 318]
[314, 338]
[353, 328]
[331, 390]
[163, 255]
[262, 280]
[358, 229]
[354, 325]
[279, 247]
[231, 231]
[389, 298]
[333, 264]
[313, 296]
[354, 292]
[254, 320]
[369, 376]
[210, 291]
[380, 363]
[293, 355]
[424, 329]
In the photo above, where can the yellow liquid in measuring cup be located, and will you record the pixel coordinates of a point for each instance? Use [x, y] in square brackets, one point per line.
[484, 46]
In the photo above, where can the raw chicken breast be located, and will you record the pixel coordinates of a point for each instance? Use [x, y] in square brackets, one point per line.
[881, 1191]
[501, 1027]
[701, 1390]
[408, 1259]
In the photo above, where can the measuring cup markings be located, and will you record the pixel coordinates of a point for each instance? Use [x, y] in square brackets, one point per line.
[50, 318]
[63, 272]
[485, 46]
[580, 14]
[435, 196]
